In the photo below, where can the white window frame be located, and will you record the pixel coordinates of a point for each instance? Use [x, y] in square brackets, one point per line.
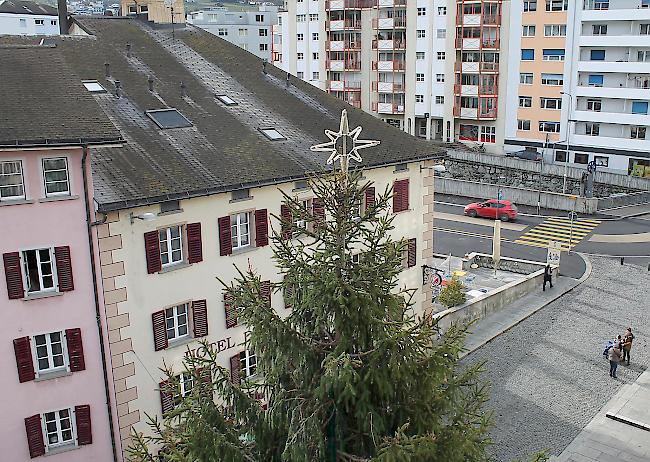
[174, 314]
[246, 363]
[300, 37]
[442, 10]
[592, 129]
[222, 32]
[597, 29]
[39, 22]
[634, 132]
[50, 356]
[592, 103]
[440, 78]
[554, 30]
[422, 11]
[420, 33]
[559, 84]
[521, 125]
[488, 133]
[19, 163]
[169, 239]
[419, 55]
[525, 99]
[419, 77]
[523, 77]
[67, 177]
[528, 30]
[548, 103]
[59, 432]
[186, 383]
[313, 16]
[440, 99]
[314, 36]
[644, 29]
[440, 55]
[39, 263]
[419, 98]
[236, 230]
[549, 123]
[298, 223]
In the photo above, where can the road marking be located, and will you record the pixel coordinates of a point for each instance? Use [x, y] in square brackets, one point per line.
[627, 238]
[477, 221]
[560, 230]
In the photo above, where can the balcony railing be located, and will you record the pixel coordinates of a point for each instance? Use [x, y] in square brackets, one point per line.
[492, 19]
[389, 23]
[348, 4]
[343, 85]
[340, 65]
[340, 45]
[389, 44]
[388, 87]
[474, 66]
[474, 113]
[336, 24]
[388, 66]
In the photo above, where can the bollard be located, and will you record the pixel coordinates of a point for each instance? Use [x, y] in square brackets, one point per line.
[622, 259]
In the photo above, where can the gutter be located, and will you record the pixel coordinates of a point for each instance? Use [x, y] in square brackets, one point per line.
[93, 268]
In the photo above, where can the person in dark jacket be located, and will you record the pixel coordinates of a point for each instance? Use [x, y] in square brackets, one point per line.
[614, 357]
[627, 345]
[547, 277]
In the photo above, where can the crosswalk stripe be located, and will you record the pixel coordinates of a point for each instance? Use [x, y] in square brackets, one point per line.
[537, 239]
[574, 239]
[580, 220]
[537, 244]
[565, 232]
[554, 230]
[562, 226]
[575, 222]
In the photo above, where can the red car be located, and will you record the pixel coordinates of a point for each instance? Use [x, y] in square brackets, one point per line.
[492, 208]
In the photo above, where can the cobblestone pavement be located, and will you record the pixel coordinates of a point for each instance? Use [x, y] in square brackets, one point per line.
[548, 374]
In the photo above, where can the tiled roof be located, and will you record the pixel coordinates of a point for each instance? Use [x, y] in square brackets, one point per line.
[25, 7]
[42, 102]
[224, 149]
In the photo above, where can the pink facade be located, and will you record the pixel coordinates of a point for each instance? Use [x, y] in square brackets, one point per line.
[52, 317]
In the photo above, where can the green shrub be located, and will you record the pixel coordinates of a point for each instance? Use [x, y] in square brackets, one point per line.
[452, 294]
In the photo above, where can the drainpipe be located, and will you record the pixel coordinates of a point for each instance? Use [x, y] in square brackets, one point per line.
[93, 269]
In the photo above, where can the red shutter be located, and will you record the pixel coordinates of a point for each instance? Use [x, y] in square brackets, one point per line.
[287, 220]
[75, 350]
[261, 228]
[231, 315]
[370, 196]
[152, 251]
[24, 363]
[194, 244]
[84, 426]
[14, 275]
[235, 369]
[64, 268]
[400, 196]
[35, 436]
[225, 238]
[265, 291]
[166, 397]
[412, 254]
[200, 318]
[318, 210]
[159, 330]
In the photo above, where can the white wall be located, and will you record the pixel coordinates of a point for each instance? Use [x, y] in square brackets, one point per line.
[25, 24]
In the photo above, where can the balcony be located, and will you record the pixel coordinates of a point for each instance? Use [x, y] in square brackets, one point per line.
[625, 67]
[635, 41]
[341, 24]
[633, 91]
[476, 67]
[389, 23]
[389, 45]
[474, 114]
[343, 65]
[388, 87]
[615, 11]
[476, 44]
[341, 45]
[388, 108]
[334, 5]
[492, 19]
[390, 3]
[343, 85]
[388, 66]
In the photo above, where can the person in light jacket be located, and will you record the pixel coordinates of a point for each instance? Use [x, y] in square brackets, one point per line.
[614, 357]
[627, 345]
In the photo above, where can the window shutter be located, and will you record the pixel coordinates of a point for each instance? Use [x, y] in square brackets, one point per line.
[265, 291]
[166, 397]
[412, 254]
[288, 293]
[24, 363]
[318, 210]
[152, 251]
[200, 317]
[370, 196]
[159, 330]
[84, 426]
[261, 228]
[235, 369]
[14, 275]
[400, 196]
[225, 238]
[194, 244]
[75, 350]
[231, 315]
[287, 220]
[35, 436]
[64, 268]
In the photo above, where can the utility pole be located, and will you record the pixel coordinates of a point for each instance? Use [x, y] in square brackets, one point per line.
[539, 180]
[568, 129]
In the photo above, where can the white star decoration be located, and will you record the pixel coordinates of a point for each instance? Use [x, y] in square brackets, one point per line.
[344, 134]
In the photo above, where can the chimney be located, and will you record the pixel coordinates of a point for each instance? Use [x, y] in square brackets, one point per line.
[183, 90]
[264, 66]
[107, 69]
[150, 83]
[128, 50]
[63, 17]
[118, 89]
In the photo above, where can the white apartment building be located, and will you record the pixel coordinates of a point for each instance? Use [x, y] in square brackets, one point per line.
[19, 17]
[250, 30]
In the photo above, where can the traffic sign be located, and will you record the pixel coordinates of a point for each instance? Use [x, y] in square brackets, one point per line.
[553, 253]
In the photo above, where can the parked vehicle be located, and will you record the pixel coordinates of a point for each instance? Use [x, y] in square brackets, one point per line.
[492, 208]
[527, 154]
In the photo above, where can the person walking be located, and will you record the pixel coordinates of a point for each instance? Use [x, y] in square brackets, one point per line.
[547, 277]
[614, 357]
[627, 345]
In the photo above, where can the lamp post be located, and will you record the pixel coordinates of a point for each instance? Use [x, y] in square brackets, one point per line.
[568, 128]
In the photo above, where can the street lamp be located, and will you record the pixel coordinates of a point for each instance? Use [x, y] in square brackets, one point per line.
[568, 128]
[147, 216]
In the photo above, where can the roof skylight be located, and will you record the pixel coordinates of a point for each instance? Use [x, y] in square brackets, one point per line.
[93, 86]
[272, 134]
[227, 100]
[168, 118]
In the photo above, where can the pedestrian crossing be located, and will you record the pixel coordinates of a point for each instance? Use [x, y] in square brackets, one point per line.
[558, 229]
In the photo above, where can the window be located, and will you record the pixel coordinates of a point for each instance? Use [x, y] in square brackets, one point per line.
[55, 176]
[313, 16]
[527, 54]
[315, 75]
[263, 32]
[526, 78]
[440, 77]
[528, 31]
[440, 100]
[93, 86]
[550, 103]
[645, 3]
[419, 98]
[599, 29]
[639, 107]
[171, 245]
[422, 11]
[440, 55]
[248, 363]
[23, 22]
[168, 118]
[314, 36]
[39, 22]
[468, 132]
[420, 33]
[555, 30]
[240, 231]
[595, 80]
[241, 194]
[557, 5]
[419, 55]
[561, 156]
[300, 56]
[441, 33]
[133, 9]
[39, 270]
[637, 133]
[243, 32]
[581, 158]
[552, 79]
[260, 17]
[299, 223]
[419, 77]
[523, 125]
[314, 55]
[601, 161]
[12, 183]
[301, 17]
[488, 134]
[221, 32]
[594, 105]
[53, 22]
[592, 129]
[442, 10]
[645, 29]
[264, 47]
[176, 322]
[227, 100]
[553, 55]
[50, 350]
[549, 127]
[643, 56]
[525, 101]
[530, 5]
[300, 37]
[597, 55]
[58, 428]
[300, 74]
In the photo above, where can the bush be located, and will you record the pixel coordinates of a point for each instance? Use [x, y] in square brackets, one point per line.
[452, 294]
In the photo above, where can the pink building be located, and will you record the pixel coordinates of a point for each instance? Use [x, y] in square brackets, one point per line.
[56, 397]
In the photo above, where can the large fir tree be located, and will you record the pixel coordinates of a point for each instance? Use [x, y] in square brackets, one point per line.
[351, 374]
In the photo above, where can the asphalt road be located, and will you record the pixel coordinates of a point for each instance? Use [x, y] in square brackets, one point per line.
[454, 233]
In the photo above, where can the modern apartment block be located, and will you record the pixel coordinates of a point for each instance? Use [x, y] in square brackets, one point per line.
[250, 30]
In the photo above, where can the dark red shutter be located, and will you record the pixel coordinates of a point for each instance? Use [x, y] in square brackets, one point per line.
[166, 397]
[75, 350]
[287, 221]
[194, 244]
[225, 238]
[235, 369]
[14, 275]
[84, 426]
[35, 436]
[400, 196]
[200, 318]
[231, 316]
[412, 254]
[159, 330]
[265, 291]
[64, 268]
[24, 363]
[318, 210]
[261, 228]
[370, 196]
[152, 251]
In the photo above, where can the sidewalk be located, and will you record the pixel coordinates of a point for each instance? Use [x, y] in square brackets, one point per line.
[620, 431]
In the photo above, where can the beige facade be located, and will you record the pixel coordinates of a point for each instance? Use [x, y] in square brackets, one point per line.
[157, 11]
